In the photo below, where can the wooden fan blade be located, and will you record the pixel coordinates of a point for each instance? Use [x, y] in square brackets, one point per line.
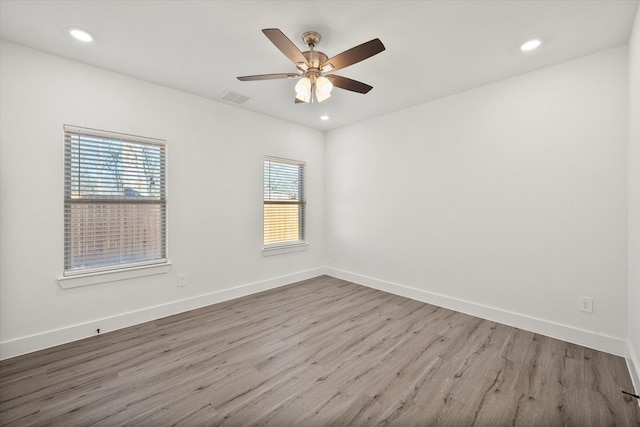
[286, 46]
[353, 55]
[269, 77]
[349, 84]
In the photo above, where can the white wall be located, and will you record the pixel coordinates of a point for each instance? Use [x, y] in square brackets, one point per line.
[215, 198]
[634, 202]
[508, 201]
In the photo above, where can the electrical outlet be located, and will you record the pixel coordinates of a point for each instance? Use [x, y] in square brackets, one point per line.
[586, 304]
[182, 280]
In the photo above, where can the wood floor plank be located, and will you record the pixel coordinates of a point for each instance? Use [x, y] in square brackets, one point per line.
[318, 353]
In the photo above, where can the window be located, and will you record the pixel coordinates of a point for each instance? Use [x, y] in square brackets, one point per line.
[284, 202]
[115, 206]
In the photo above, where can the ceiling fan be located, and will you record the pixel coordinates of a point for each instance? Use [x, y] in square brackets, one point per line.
[315, 83]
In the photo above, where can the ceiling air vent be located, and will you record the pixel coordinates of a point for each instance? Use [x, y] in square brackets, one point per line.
[233, 97]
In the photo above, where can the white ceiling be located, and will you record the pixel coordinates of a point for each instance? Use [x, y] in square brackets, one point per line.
[433, 48]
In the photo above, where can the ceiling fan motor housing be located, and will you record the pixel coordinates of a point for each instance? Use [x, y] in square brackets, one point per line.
[315, 58]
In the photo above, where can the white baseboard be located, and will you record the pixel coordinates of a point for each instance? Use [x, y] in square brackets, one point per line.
[634, 368]
[31, 343]
[567, 333]
[586, 338]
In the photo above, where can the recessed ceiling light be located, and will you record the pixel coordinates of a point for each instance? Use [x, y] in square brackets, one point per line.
[82, 35]
[530, 45]
[324, 117]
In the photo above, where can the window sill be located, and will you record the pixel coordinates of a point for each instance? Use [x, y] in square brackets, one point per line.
[284, 249]
[112, 276]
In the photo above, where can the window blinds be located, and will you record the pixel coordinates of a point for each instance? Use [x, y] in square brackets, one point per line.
[284, 201]
[114, 201]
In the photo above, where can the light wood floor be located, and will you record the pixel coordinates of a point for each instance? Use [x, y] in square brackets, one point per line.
[318, 353]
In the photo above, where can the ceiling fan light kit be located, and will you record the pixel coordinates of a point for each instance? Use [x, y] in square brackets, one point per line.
[316, 84]
[303, 89]
[323, 86]
[310, 88]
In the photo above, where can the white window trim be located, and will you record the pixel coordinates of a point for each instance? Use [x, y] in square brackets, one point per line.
[88, 279]
[284, 248]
